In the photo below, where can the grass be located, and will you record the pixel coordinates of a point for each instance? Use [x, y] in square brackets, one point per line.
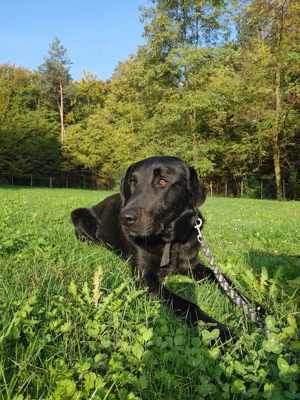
[56, 343]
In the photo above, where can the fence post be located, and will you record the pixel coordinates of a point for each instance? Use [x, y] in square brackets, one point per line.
[242, 187]
[12, 179]
[211, 188]
[31, 181]
[261, 189]
[67, 181]
[50, 182]
[226, 188]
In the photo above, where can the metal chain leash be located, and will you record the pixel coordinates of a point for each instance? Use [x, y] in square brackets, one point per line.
[251, 312]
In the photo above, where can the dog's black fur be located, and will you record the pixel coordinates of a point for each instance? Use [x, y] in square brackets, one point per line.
[152, 222]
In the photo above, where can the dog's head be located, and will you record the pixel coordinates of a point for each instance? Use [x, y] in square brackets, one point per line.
[155, 192]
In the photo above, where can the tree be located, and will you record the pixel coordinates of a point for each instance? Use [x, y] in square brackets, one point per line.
[230, 109]
[271, 28]
[86, 96]
[56, 77]
[28, 142]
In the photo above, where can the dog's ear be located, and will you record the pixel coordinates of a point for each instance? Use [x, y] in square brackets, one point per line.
[85, 224]
[125, 187]
[196, 188]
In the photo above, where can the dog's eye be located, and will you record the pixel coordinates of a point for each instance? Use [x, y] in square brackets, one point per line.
[163, 182]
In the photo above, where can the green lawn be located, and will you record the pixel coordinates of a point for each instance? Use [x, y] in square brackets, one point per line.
[56, 343]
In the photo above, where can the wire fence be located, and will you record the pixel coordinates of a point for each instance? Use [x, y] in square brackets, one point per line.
[83, 180]
[251, 186]
[247, 186]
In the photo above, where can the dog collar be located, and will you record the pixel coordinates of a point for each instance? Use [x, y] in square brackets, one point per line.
[165, 259]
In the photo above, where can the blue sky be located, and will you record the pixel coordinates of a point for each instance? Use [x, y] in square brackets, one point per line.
[97, 33]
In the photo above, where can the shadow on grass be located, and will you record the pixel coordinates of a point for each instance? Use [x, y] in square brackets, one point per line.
[11, 187]
[183, 362]
[280, 267]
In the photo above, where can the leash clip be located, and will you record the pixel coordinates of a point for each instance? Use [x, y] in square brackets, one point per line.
[198, 226]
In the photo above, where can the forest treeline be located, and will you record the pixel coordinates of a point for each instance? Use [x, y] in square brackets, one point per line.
[216, 83]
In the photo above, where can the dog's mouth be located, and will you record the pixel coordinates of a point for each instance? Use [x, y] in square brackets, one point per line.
[146, 232]
[166, 231]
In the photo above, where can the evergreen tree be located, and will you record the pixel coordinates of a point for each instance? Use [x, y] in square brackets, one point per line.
[56, 77]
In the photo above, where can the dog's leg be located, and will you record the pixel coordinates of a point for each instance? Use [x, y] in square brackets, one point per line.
[193, 313]
[86, 225]
[151, 279]
[201, 272]
[189, 310]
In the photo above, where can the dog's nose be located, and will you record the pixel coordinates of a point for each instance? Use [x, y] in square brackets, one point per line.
[128, 217]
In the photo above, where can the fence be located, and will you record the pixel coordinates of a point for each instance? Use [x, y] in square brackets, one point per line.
[83, 180]
[241, 187]
[251, 187]
[247, 186]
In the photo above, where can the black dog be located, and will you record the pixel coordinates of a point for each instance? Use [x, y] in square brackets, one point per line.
[152, 222]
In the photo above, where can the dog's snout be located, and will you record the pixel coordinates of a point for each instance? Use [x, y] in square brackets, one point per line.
[128, 217]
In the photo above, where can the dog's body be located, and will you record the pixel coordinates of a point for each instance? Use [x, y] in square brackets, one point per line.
[151, 222]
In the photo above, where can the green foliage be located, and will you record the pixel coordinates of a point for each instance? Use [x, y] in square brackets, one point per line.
[29, 144]
[212, 106]
[86, 96]
[118, 358]
[28, 132]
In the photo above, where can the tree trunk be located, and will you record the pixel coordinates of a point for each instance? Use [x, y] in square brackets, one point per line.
[242, 186]
[211, 188]
[283, 189]
[276, 133]
[277, 169]
[193, 124]
[277, 130]
[61, 113]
